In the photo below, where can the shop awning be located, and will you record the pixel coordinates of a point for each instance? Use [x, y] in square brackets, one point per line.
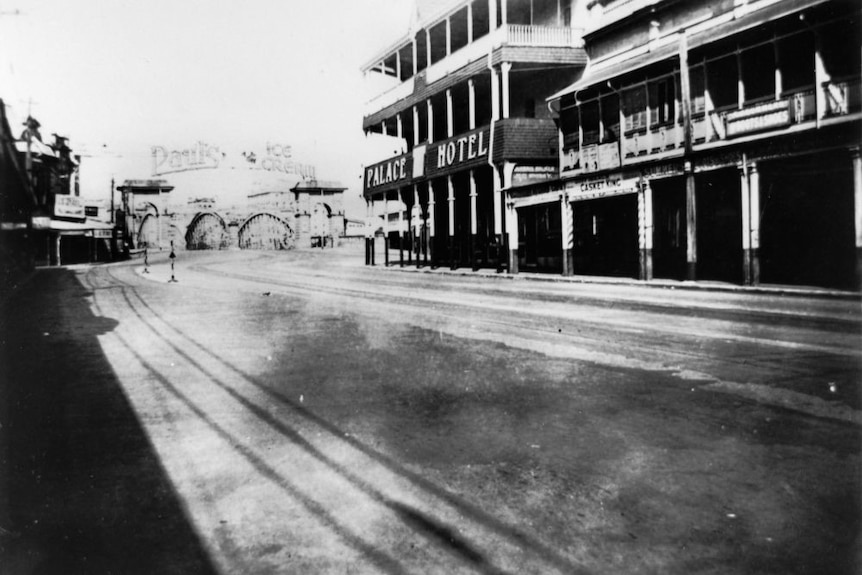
[49, 224]
[595, 75]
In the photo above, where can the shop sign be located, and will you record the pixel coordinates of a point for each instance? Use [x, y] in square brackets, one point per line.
[663, 170]
[591, 158]
[570, 161]
[69, 207]
[103, 234]
[198, 157]
[591, 188]
[757, 118]
[526, 175]
[461, 151]
[389, 172]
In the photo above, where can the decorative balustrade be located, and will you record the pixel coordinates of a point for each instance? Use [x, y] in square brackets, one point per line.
[546, 36]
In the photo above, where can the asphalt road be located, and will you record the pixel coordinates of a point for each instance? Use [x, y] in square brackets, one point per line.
[301, 413]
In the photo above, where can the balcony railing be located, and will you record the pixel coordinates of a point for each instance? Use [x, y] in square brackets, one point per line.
[544, 36]
[654, 140]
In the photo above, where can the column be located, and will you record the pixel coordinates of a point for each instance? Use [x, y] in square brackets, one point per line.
[506, 67]
[448, 36]
[386, 229]
[512, 227]
[420, 235]
[754, 207]
[451, 198]
[471, 86]
[415, 57]
[568, 235]
[502, 252]
[857, 203]
[469, 23]
[432, 222]
[821, 76]
[746, 225]
[646, 231]
[415, 126]
[495, 96]
[430, 120]
[367, 228]
[450, 115]
[399, 126]
[408, 209]
[400, 229]
[691, 228]
[474, 220]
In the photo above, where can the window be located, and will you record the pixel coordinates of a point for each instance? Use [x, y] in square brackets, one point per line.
[697, 86]
[662, 101]
[590, 122]
[570, 124]
[610, 118]
[634, 108]
[758, 72]
[796, 60]
[722, 81]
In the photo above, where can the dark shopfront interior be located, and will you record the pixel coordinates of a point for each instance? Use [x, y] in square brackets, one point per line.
[606, 236]
[807, 233]
[718, 205]
[540, 247]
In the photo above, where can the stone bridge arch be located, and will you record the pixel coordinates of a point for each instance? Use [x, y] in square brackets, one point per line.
[207, 231]
[265, 231]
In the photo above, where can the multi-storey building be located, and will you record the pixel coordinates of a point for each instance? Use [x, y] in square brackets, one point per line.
[707, 140]
[464, 92]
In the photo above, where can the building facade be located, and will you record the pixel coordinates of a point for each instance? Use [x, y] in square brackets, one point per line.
[462, 94]
[711, 140]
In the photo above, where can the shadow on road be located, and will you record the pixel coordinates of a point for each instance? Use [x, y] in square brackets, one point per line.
[81, 488]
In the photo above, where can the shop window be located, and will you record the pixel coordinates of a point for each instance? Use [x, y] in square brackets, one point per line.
[722, 77]
[610, 118]
[758, 72]
[480, 19]
[796, 60]
[662, 101]
[421, 41]
[590, 122]
[634, 109]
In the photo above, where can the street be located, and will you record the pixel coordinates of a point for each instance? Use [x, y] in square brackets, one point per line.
[298, 412]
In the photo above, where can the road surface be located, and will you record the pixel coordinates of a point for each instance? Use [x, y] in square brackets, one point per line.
[301, 413]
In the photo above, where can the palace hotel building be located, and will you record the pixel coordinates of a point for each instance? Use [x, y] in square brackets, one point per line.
[693, 140]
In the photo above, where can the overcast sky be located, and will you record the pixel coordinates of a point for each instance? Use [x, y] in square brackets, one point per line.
[120, 76]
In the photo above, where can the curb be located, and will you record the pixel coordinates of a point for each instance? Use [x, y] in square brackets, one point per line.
[777, 290]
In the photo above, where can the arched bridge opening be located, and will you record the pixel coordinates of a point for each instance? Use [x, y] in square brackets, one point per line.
[265, 232]
[207, 231]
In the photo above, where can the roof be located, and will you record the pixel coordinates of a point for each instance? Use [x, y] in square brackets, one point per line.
[319, 185]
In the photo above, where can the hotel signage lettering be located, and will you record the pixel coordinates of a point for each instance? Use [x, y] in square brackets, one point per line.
[69, 207]
[199, 157]
[462, 152]
[756, 118]
[389, 172]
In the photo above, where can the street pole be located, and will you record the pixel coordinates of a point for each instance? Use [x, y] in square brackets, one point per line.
[173, 256]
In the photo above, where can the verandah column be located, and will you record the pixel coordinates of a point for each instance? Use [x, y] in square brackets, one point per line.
[746, 225]
[386, 229]
[691, 228]
[857, 203]
[754, 206]
[451, 199]
[567, 234]
[512, 228]
[420, 235]
[400, 230]
[474, 221]
[432, 222]
[502, 251]
[646, 230]
[367, 231]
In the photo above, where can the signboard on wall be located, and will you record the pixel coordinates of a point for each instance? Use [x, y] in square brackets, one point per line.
[765, 116]
[526, 175]
[69, 207]
[591, 158]
[600, 187]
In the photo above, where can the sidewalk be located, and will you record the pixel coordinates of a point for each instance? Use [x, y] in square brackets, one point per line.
[768, 289]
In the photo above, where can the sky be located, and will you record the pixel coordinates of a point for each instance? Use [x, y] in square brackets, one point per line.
[120, 76]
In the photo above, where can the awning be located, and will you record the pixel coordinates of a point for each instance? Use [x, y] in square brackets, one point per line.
[758, 17]
[37, 148]
[65, 226]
